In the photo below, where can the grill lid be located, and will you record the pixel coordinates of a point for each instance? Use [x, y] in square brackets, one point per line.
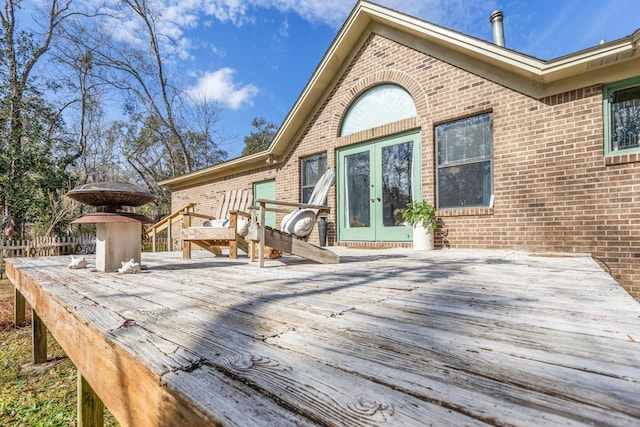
[111, 194]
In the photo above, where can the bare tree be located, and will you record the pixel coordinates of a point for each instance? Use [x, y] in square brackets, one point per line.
[21, 51]
[165, 115]
[98, 149]
[140, 74]
[200, 119]
[63, 208]
[166, 133]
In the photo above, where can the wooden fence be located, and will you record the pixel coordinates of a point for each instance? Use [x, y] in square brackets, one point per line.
[56, 246]
[47, 246]
[160, 245]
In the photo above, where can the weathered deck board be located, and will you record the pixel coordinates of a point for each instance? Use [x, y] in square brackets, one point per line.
[391, 337]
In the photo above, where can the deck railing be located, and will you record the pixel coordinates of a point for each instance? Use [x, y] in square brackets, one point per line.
[166, 223]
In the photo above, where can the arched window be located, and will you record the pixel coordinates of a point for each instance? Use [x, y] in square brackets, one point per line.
[378, 106]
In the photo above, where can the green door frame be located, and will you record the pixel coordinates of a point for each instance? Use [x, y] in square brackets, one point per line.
[376, 231]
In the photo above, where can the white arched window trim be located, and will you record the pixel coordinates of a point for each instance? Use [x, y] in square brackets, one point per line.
[386, 103]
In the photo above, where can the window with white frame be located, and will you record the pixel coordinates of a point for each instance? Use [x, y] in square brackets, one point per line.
[622, 117]
[312, 168]
[464, 163]
[382, 104]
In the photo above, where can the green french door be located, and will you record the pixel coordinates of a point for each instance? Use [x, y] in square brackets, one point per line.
[375, 182]
[266, 190]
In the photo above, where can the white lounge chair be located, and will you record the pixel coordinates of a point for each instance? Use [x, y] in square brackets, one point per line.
[296, 226]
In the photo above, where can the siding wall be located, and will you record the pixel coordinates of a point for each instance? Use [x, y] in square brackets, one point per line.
[554, 190]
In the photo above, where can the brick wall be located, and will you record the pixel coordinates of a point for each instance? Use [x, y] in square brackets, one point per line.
[554, 190]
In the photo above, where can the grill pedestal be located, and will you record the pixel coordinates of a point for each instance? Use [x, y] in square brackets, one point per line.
[117, 242]
[118, 227]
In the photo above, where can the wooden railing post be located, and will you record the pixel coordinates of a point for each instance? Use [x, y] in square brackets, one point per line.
[186, 245]
[262, 233]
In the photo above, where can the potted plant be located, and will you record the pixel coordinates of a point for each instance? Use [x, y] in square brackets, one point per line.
[422, 217]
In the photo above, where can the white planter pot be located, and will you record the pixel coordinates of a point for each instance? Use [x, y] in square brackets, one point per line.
[422, 241]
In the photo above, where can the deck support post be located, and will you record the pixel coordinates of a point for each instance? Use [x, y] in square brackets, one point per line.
[39, 339]
[18, 307]
[90, 407]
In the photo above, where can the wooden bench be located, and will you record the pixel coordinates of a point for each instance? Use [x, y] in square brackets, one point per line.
[234, 204]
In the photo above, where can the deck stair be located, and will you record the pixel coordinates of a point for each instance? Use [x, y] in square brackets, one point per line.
[167, 223]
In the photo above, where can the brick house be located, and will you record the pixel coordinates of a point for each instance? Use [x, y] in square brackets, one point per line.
[515, 152]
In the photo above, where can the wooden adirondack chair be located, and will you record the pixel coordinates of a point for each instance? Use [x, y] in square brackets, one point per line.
[296, 226]
[224, 229]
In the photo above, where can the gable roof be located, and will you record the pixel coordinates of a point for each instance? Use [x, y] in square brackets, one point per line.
[605, 63]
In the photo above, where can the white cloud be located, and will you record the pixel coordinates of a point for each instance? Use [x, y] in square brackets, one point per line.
[283, 31]
[218, 51]
[234, 11]
[457, 14]
[467, 16]
[175, 17]
[330, 12]
[219, 86]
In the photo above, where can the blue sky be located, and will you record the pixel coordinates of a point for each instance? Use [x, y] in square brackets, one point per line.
[264, 51]
[254, 57]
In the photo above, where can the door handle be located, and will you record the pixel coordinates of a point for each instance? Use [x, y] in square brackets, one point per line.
[372, 200]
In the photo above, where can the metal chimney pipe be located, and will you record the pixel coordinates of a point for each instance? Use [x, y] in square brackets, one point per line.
[498, 28]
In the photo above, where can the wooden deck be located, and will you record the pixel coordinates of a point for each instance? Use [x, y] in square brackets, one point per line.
[386, 337]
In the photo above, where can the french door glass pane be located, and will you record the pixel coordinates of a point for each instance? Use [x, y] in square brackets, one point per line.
[396, 182]
[358, 209]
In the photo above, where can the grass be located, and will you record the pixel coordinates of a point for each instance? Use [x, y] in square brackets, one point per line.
[34, 395]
